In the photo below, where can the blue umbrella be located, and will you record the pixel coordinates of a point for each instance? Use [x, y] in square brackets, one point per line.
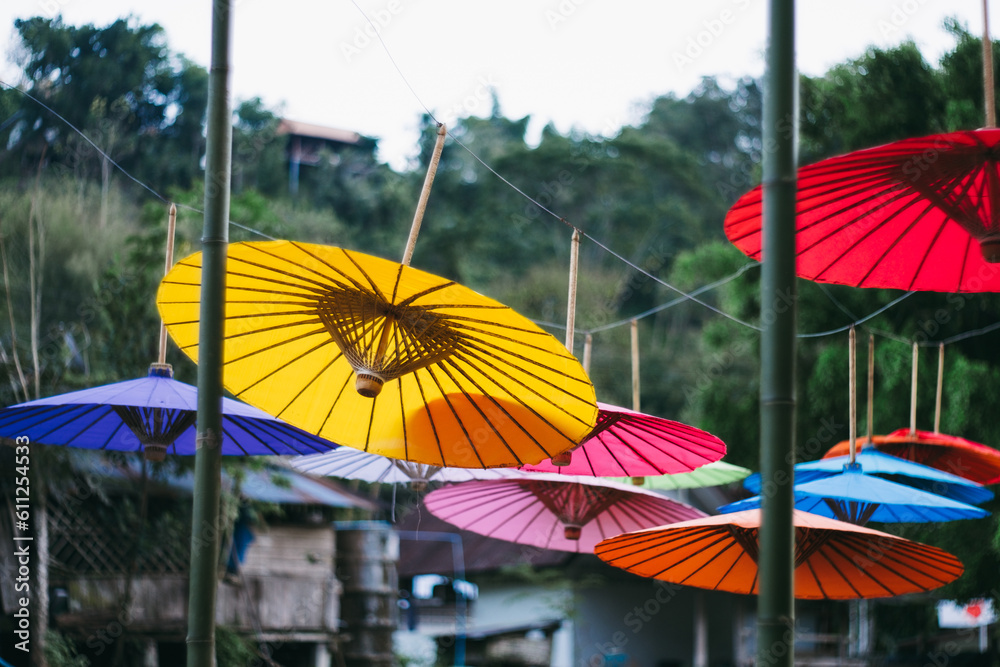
[875, 462]
[156, 415]
[858, 498]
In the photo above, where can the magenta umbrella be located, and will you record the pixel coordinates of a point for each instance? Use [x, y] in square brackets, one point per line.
[627, 443]
[559, 512]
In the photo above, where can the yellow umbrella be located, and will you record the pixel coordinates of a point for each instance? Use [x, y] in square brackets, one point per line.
[386, 358]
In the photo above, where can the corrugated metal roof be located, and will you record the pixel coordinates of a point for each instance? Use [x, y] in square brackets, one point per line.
[273, 483]
[481, 554]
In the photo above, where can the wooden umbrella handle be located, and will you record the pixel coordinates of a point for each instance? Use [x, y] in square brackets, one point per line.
[989, 96]
[425, 193]
[171, 227]
[574, 270]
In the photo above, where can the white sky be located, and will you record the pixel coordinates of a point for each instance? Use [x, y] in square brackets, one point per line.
[588, 65]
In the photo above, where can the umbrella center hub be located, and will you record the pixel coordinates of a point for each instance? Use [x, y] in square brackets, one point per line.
[383, 341]
[990, 247]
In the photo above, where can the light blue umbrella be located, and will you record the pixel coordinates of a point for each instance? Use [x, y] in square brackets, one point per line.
[856, 497]
[893, 468]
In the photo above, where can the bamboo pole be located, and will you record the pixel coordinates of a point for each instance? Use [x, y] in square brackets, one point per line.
[215, 239]
[852, 392]
[940, 389]
[913, 392]
[775, 606]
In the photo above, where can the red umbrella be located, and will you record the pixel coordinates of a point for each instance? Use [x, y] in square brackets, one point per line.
[558, 512]
[965, 458]
[834, 560]
[916, 214]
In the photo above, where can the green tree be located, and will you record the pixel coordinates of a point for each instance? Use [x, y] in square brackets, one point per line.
[120, 85]
[879, 97]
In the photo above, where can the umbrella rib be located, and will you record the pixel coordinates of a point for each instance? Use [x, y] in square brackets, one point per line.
[285, 431]
[437, 288]
[664, 429]
[372, 288]
[868, 234]
[655, 440]
[403, 420]
[254, 332]
[371, 423]
[320, 284]
[484, 359]
[916, 553]
[856, 545]
[98, 408]
[340, 393]
[893, 563]
[302, 389]
[498, 406]
[464, 330]
[430, 418]
[458, 420]
[237, 442]
[612, 453]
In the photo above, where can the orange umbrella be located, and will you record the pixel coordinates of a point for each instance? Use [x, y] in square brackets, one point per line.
[965, 458]
[833, 560]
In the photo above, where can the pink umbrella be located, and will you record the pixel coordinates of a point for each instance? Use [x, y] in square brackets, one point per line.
[559, 512]
[623, 442]
[627, 443]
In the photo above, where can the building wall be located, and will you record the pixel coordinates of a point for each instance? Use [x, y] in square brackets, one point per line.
[288, 587]
[645, 622]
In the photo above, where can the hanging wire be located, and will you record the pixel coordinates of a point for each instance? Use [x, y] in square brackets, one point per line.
[835, 301]
[117, 166]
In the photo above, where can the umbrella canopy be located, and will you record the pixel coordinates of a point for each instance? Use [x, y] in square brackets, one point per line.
[833, 560]
[386, 358]
[716, 473]
[893, 468]
[626, 443]
[858, 498]
[558, 512]
[958, 456]
[155, 415]
[351, 463]
[916, 214]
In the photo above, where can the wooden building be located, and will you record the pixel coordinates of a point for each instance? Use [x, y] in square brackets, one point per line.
[310, 144]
